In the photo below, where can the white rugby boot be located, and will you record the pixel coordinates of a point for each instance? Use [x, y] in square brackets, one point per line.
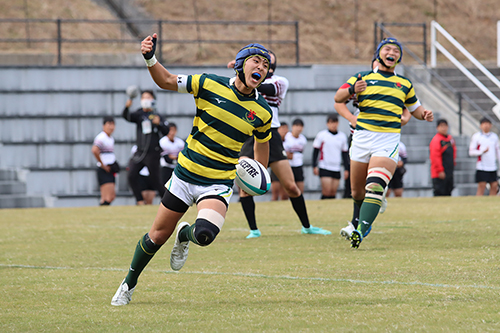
[179, 253]
[123, 295]
[347, 231]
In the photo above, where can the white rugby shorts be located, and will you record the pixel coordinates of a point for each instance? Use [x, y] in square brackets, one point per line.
[366, 144]
[190, 193]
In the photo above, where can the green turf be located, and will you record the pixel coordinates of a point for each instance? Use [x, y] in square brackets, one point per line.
[430, 264]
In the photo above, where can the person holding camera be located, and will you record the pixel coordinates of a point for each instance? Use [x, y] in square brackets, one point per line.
[149, 126]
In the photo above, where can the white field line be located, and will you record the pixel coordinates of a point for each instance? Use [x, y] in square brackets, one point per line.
[263, 276]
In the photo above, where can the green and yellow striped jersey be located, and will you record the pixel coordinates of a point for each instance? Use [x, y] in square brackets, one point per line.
[381, 104]
[224, 120]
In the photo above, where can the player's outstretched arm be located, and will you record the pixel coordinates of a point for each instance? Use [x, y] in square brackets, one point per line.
[163, 78]
[423, 114]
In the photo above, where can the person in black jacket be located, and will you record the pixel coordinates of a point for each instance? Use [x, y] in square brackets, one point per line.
[150, 126]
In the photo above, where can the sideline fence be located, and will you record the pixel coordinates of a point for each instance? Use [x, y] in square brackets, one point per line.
[55, 31]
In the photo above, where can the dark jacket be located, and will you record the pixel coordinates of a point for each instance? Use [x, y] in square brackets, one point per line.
[151, 141]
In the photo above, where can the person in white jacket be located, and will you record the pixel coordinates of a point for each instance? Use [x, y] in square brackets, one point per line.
[484, 145]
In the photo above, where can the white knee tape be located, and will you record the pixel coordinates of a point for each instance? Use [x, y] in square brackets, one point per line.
[212, 216]
[381, 173]
[374, 186]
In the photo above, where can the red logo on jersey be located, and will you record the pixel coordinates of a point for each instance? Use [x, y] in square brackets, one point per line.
[398, 85]
[251, 116]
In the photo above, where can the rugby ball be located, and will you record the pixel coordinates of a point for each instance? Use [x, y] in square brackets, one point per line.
[252, 177]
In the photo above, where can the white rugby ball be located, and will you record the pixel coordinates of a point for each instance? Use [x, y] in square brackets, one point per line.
[252, 177]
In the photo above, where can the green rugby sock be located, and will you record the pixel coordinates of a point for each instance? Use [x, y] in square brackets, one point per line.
[367, 213]
[187, 234]
[144, 252]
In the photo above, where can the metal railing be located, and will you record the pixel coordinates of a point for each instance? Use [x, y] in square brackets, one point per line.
[435, 45]
[158, 26]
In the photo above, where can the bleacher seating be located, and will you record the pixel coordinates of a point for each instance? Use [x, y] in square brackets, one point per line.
[50, 116]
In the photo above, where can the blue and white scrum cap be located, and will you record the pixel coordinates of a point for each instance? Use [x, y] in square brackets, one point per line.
[392, 41]
[246, 52]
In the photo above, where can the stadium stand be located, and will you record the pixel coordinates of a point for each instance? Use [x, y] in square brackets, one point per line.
[13, 191]
[462, 84]
[51, 115]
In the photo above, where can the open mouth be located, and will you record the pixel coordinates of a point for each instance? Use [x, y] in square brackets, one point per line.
[391, 59]
[256, 76]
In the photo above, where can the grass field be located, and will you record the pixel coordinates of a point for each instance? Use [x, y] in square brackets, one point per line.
[430, 264]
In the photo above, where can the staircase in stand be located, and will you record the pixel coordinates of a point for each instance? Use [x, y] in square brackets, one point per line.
[13, 191]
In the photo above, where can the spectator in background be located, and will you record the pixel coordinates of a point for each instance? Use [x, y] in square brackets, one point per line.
[171, 147]
[283, 130]
[396, 183]
[294, 145]
[150, 126]
[146, 183]
[443, 153]
[331, 148]
[103, 150]
[277, 191]
[484, 145]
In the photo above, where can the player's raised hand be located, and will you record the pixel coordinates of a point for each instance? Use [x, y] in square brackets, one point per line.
[148, 46]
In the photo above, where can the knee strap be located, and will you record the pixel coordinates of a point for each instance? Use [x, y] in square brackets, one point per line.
[207, 226]
[376, 182]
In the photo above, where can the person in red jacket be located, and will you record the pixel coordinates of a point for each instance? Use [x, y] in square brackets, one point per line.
[443, 153]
